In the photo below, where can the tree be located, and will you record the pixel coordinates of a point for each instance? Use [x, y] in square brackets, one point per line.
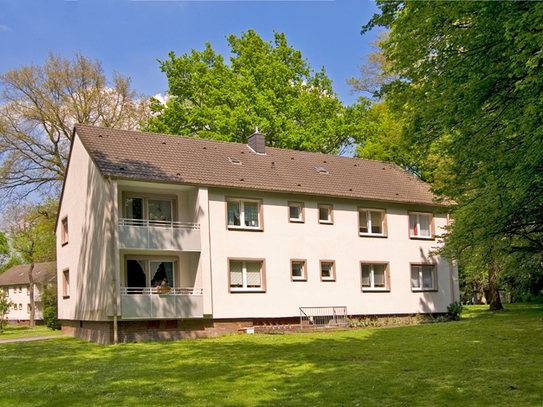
[31, 234]
[5, 305]
[4, 252]
[41, 106]
[267, 85]
[471, 74]
[375, 71]
[49, 303]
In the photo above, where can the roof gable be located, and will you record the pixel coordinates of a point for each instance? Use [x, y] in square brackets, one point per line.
[19, 274]
[169, 158]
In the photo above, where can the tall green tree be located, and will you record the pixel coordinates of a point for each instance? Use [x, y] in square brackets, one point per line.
[31, 233]
[39, 107]
[471, 73]
[267, 85]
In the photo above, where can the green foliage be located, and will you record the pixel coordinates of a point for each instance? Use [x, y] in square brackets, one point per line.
[267, 85]
[50, 308]
[5, 304]
[455, 310]
[470, 81]
[31, 230]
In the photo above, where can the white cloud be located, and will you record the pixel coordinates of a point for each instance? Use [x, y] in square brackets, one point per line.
[4, 28]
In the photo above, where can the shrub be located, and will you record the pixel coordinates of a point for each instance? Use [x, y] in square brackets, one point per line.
[50, 317]
[455, 309]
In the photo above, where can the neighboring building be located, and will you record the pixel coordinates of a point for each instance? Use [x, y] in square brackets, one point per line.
[16, 285]
[244, 234]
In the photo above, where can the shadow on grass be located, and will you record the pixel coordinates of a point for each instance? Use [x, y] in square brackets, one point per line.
[461, 363]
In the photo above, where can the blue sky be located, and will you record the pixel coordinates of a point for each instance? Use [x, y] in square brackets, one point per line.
[129, 36]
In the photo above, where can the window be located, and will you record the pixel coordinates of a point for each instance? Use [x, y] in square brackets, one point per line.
[297, 270]
[325, 214]
[371, 222]
[149, 271]
[20, 307]
[328, 272]
[149, 210]
[66, 283]
[20, 289]
[246, 275]
[423, 277]
[375, 277]
[64, 231]
[243, 214]
[296, 212]
[420, 225]
[28, 308]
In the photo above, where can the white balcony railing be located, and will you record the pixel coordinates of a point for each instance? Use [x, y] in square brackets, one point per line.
[152, 303]
[159, 223]
[162, 291]
[159, 235]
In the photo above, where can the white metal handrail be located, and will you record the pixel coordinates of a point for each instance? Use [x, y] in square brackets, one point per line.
[159, 223]
[163, 291]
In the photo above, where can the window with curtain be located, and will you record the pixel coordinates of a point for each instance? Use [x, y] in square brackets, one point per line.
[420, 225]
[245, 275]
[139, 210]
[374, 276]
[243, 214]
[423, 277]
[371, 222]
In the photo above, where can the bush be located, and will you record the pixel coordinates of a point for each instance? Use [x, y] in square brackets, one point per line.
[455, 309]
[50, 317]
[49, 300]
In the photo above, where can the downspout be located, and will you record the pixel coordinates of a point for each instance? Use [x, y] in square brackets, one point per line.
[112, 268]
[451, 267]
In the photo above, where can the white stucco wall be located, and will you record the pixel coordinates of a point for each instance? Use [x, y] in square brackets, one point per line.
[282, 241]
[19, 295]
[86, 203]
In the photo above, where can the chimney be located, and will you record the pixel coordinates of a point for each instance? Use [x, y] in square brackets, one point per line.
[257, 142]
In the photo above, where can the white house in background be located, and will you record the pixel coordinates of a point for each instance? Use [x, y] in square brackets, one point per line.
[16, 285]
[245, 235]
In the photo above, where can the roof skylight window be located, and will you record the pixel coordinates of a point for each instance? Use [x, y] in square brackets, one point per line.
[321, 170]
[234, 160]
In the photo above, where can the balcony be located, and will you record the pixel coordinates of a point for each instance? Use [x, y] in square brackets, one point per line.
[153, 303]
[147, 234]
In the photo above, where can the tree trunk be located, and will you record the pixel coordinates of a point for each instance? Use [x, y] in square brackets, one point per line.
[31, 292]
[493, 293]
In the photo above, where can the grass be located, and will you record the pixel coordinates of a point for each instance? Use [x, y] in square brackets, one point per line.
[486, 358]
[23, 331]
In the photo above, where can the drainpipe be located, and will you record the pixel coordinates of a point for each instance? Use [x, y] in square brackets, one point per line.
[112, 269]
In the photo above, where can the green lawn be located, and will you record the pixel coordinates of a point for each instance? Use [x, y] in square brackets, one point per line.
[23, 331]
[484, 359]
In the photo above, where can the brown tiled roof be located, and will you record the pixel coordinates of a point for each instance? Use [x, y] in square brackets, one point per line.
[163, 157]
[19, 274]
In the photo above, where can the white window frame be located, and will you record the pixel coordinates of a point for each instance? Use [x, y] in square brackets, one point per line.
[372, 286]
[300, 207]
[144, 221]
[332, 269]
[330, 220]
[420, 277]
[64, 231]
[417, 216]
[302, 263]
[244, 287]
[66, 283]
[241, 202]
[370, 222]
